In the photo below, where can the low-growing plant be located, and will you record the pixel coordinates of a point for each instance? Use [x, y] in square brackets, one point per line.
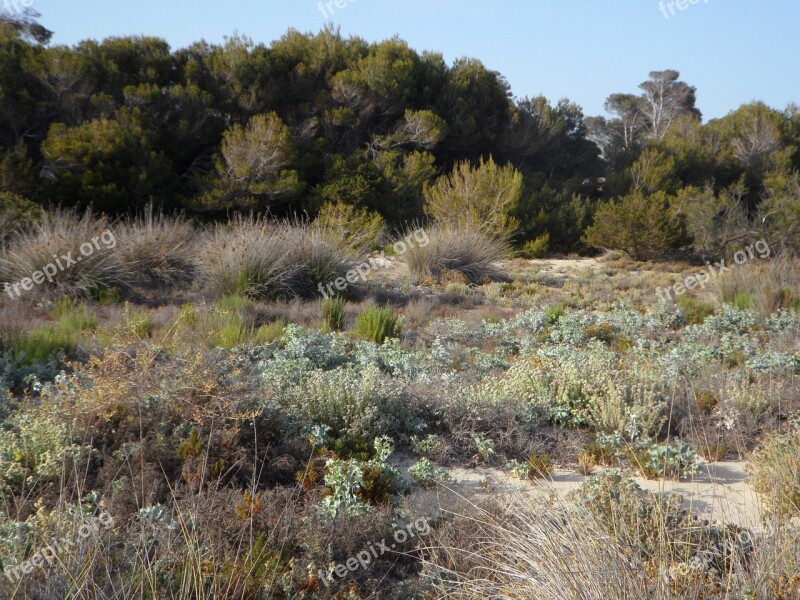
[538, 247]
[586, 463]
[425, 473]
[484, 447]
[673, 459]
[43, 343]
[431, 446]
[540, 465]
[694, 309]
[377, 324]
[333, 314]
[519, 470]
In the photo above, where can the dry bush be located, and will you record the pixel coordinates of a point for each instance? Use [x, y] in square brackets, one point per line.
[469, 252]
[161, 250]
[63, 233]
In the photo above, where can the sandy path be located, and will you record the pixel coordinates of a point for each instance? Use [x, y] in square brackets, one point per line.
[720, 493]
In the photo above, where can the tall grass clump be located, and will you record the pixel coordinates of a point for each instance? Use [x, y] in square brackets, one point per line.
[764, 285]
[333, 314]
[377, 324]
[248, 257]
[161, 250]
[318, 255]
[60, 233]
[453, 248]
[775, 469]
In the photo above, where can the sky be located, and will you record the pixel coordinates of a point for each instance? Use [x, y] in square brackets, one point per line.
[732, 51]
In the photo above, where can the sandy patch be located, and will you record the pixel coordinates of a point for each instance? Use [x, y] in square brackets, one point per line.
[719, 493]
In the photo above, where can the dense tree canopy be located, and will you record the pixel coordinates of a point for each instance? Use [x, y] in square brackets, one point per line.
[315, 120]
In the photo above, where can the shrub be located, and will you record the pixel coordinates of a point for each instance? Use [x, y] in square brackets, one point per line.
[479, 198]
[350, 400]
[645, 227]
[537, 248]
[358, 227]
[695, 310]
[775, 469]
[32, 451]
[467, 251]
[377, 324]
[674, 459]
[64, 233]
[333, 314]
[15, 212]
[161, 250]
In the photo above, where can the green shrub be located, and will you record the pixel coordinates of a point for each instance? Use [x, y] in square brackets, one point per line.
[377, 324]
[15, 212]
[696, 310]
[358, 227]
[425, 473]
[333, 314]
[537, 248]
[645, 227]
[466, 251]
[481, 198]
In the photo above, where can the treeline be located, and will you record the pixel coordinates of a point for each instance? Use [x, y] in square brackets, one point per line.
[324, 123]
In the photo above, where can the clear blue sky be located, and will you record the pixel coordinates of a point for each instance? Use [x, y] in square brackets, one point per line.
[733, 51]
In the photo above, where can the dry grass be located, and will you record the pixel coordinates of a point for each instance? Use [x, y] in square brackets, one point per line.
[524, 546]
[161, 250]
[57, 234]
[470, 253]
[247, 257]
[764, 285]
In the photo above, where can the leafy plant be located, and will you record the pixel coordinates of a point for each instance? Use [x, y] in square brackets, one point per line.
[333, 314]
[425, 473]
[377, 324]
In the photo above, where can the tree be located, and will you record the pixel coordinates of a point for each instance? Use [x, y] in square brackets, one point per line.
[107, 163]
[664, 100]
[254, 166]
[482, 198]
